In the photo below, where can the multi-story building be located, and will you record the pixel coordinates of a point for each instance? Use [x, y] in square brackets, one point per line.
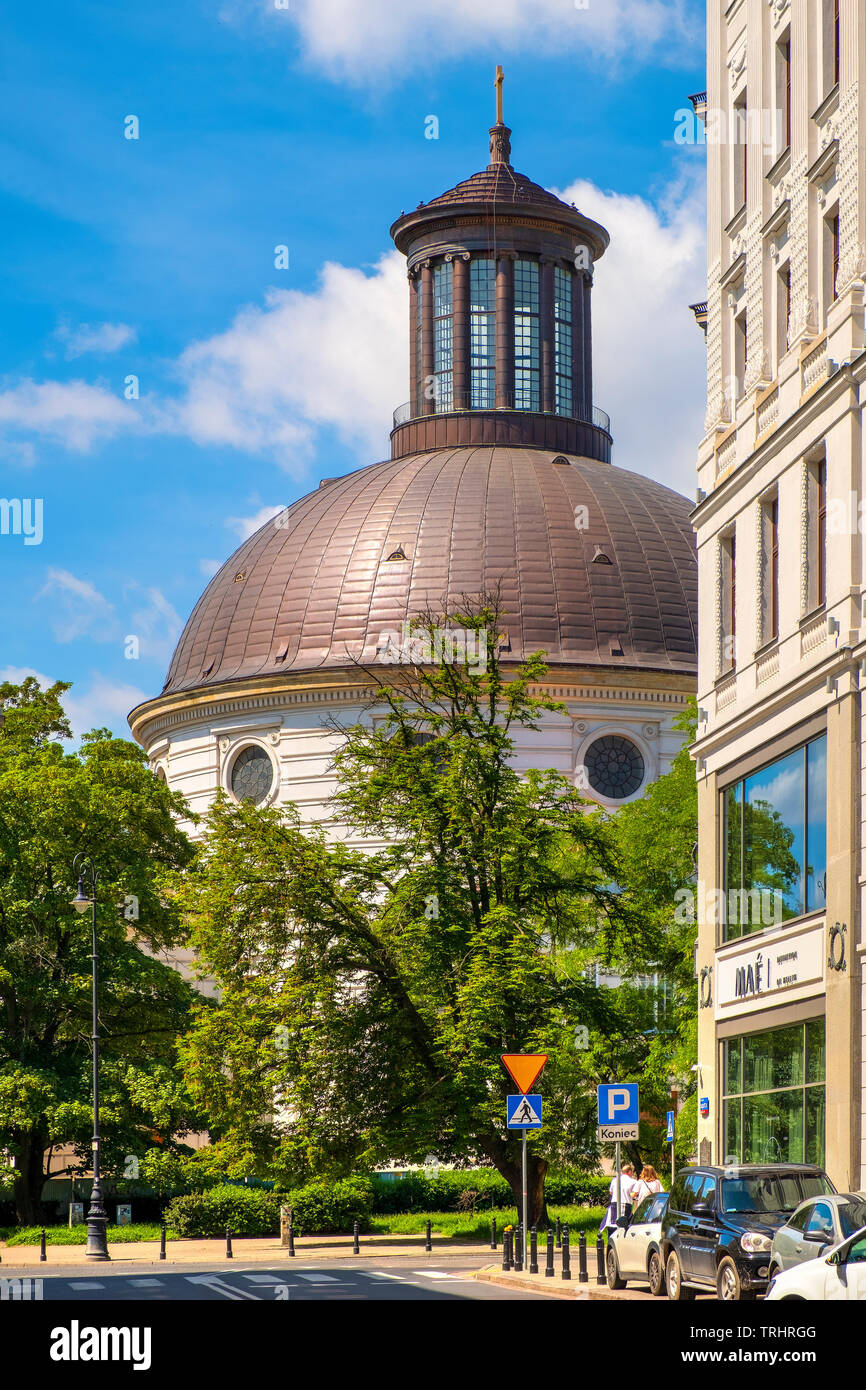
[782, 651]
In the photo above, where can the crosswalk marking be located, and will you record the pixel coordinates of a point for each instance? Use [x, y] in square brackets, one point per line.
[380, 1274]
[145, 1283]
[434, 1274]
[85, 1284]
[264, 1279]
[318, 1278]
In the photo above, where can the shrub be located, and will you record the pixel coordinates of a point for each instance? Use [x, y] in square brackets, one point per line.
[321, 1207]
[418, 1193]
[246, 1212]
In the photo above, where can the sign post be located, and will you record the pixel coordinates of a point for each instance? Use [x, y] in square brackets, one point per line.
[618, 1116]
[524, 1114]
[672, 1119]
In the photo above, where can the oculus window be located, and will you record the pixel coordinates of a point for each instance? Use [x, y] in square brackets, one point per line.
[614, 767]
[252, 776]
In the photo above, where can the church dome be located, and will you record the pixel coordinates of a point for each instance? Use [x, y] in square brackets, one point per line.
[595, 565]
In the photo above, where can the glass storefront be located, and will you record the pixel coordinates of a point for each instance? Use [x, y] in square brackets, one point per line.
[773, 1103]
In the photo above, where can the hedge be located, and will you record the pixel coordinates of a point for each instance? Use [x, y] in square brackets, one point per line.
[318, 1208]
[418, 1193]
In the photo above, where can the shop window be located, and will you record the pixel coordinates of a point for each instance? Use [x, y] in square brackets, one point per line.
[773, 1105]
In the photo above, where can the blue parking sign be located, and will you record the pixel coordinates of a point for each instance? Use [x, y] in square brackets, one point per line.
[618, 1104]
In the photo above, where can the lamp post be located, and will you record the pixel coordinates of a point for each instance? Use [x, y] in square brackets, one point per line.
[97, 1217]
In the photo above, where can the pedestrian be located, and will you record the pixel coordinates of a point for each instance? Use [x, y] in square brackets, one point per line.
[647, 1183]
[626, 1185]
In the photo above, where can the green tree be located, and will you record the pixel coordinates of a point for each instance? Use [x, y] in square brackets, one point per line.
[365, 997]
[103, 801]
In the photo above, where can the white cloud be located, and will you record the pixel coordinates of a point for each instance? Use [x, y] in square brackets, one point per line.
[649, 363]
[157, 625]
[248, 525]
[358, 42]
[210, 567]
[104, 703]
[78, 608]
[95, 337]
[333, 358]
[73, 414]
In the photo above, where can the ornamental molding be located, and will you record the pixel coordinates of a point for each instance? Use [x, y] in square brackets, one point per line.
[758, 372]
[804, 537]
[852, 266]
[779, 10]
[737, 63]
[804, 318]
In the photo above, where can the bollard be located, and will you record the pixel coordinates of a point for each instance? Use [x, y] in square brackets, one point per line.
[566, 1255]
[493, 1233]
[506, 1262]
[162, 1241]
[582, 1276]
[229, 1255]
[291, 1240]
[548, 1268]
[42, 1254]
[518, 1250]
[601, 1277]
[558, 1234]
[356, 1249]
[533, 1250]
[428, 1244]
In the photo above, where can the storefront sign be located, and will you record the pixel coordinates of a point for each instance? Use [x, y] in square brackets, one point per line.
[759, 974]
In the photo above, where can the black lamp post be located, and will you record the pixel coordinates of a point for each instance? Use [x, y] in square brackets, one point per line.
[97, 1217]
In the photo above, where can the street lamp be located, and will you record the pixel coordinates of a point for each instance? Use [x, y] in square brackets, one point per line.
[97, 1217]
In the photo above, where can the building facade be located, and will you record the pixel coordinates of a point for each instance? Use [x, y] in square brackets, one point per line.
[782, 651]
[499, 477]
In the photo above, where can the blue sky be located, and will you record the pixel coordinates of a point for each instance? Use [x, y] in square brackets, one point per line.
[154, 258]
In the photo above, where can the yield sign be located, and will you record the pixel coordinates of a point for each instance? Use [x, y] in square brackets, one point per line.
[524, 1068]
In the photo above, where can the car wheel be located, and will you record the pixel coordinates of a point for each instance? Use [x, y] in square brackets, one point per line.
[613, 1279]
[677, 1292]
[656, 1273]
[793, 1298]
[728, 1286]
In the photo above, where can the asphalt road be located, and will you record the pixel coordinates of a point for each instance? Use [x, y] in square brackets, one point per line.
[298, 1282]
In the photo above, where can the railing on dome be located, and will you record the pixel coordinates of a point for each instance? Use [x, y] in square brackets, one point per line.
[600, 418]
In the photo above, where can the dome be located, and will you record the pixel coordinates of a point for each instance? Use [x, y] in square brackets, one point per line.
[596, 566]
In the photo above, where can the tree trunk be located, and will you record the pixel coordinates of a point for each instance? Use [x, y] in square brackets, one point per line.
[30, 1178]
[506, 1159]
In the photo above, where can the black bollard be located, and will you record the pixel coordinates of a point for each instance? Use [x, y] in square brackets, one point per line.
[162, 1241]
[506, 1263]
[518, 1250]
[558, 1234]
[291, 1240]
[428, 1244]
[493, 1233]
[582, 1276]
[229, 1255]
[566, 1254]
[548, 1268]
[42, 1254]
[533, 1250]
[601, 1277]
[356, 1248]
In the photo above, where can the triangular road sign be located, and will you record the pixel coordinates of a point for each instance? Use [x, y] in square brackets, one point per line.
[524, 1068]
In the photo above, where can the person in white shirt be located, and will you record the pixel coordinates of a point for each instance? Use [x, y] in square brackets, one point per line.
[626, 1186]
[647, 1183]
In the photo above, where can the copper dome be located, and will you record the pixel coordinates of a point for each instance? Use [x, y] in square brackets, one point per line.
[614, 586]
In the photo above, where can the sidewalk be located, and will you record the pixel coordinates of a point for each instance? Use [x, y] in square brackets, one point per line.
[266, 1250]
[558, 1287]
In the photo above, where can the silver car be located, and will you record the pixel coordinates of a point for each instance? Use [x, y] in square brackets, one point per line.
[814, 1226]
[633, 1251]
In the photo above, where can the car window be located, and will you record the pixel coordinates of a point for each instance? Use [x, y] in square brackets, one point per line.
[790, 1195]
[708, 1192]
[821, 1219]
[857, 1253]
[814, 1185]
[660, 1201]
[676, 1195]
[693, 1185]
[642, 1212]
[798, 1221]
[852, 1215]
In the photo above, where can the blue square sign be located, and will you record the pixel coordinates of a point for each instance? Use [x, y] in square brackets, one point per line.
[524, 1112]
[618, 1104]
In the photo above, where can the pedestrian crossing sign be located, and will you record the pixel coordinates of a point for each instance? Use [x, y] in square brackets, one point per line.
[524, 1112]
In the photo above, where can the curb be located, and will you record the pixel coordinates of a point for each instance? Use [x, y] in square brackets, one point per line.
[583, 1293]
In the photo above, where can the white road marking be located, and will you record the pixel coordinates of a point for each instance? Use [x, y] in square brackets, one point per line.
[214, 1282]
[145, 1283]
[316, 1278]
[434, 1274]
[380, 1274]
[85, 1284]
[264, 1279]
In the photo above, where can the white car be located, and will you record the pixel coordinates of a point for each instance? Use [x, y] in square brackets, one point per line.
[840, 1274]
[634, 1251]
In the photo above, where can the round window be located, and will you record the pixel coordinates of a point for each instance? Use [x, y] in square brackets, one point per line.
[614, 767]
[252, 775]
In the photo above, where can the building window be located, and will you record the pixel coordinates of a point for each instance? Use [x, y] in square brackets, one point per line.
[614, 767]
[775, 842]
[252, 776]
[783, 91]
[419, 339]
[773, 1096]
[830, 43]
[728, 581]
[831, 258]
[740, 338]
[769, 569]
[562, 282]
[739, 153]
[783, 309]
[816, 533]
[443, 349]
[482, 332]
[526, 369]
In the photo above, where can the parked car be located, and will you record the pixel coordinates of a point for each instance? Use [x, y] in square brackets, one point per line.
[817, 1224]
[634, 1251]
[719, 1225]
[839, 1274]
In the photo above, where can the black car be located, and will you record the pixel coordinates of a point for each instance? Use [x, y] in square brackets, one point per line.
[718, 1228]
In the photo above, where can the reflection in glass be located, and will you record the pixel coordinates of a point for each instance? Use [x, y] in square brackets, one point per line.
[815, 1049]
[733, 1131]
[815, 1125]
[816, 783]
[775, 831]
[734, 1068]
[773, 1128]
[773, 1059]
